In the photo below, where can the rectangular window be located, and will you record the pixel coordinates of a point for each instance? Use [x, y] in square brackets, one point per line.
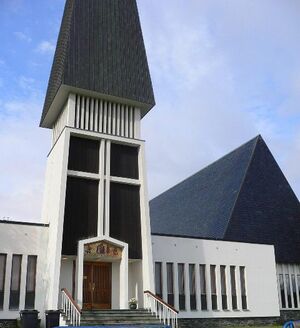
[298, 280]
[84, 155]
[282, 292]
[158, 279]
[181, 286]
[288, 290]
[203, 287]
[15, 282]
[294, 288]
[243, 288]
[30, 282]
[223, 287]
[170, 283]
[125, 217]
[81, 213]
[213, 284]
[233, 288]
[2, 278]
[124, 161]
[193, 302]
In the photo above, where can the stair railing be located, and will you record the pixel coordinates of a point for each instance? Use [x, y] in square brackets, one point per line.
[70, 308]
[166, 313]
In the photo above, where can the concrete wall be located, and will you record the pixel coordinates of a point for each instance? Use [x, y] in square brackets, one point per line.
[259, 263]
[24, 240]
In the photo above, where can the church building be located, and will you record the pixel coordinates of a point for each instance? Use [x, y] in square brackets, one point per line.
[224, 244]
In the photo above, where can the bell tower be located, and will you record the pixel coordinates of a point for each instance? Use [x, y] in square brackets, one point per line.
[96, 192]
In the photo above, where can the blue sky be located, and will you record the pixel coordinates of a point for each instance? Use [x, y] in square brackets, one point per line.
[223, 71]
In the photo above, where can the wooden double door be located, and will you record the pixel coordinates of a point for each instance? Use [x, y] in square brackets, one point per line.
[97, 285]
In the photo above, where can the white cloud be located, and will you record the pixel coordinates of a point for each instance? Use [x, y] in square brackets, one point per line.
[217, 83]
[22, 36]
[24, 147]
[46, 47]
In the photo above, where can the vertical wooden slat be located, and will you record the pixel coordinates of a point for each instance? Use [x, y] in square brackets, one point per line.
[109, 117]
[122, 121]
[113, 119]
[104, 130]
[126, 119]
[82, 103]
[87, 114]
[96, 113]
[118, 120]
[100, 128]
[92, 125]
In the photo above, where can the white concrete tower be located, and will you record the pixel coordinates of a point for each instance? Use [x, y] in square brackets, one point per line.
[96, 194]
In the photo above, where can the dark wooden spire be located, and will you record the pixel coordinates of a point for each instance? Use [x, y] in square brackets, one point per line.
[100, 48]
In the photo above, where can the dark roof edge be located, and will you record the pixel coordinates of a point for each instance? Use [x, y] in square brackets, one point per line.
[203, 238]
[242, 183]
[205, 167]
[25, 223]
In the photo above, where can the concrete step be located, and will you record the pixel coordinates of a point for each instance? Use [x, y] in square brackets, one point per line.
[116, 315]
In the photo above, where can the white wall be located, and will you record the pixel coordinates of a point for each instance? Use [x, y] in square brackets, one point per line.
[259, 261]
[66, 274]
[135, 282]
[53, 213]
[24, 240]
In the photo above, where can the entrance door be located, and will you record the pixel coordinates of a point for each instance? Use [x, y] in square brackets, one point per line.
[97, 285]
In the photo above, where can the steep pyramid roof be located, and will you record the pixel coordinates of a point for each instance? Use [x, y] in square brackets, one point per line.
[243, 196]
[100, 48]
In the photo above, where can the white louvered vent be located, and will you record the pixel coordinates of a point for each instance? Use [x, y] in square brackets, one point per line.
[105, 117]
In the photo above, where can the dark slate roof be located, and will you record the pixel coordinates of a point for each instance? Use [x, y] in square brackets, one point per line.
[100, 48]
[243, 196]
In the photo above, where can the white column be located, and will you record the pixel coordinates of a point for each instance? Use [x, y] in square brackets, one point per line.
[218, 287]
[187, 287]
[164, 281]
[107, 188]
[148, 276]
[92, 115]
[238, 288]
[101, 116]
[124, 279]
[23, 282]
[7, 282]
[137, 122]
[101, 189]
[71, 110]
[79, 274]
[208, 287]
[228, 288]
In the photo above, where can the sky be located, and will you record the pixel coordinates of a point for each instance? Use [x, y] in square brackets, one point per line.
[223, 71]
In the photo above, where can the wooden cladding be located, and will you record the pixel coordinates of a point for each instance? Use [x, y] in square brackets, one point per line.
[84, 155]
[104, 116]
[125, 223]
[124, 161]
[81, 213]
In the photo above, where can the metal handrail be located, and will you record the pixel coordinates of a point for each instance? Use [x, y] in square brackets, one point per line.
[70, 308]
[165, 312]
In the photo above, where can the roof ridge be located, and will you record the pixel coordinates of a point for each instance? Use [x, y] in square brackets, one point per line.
[243, 180]
[207, 166]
